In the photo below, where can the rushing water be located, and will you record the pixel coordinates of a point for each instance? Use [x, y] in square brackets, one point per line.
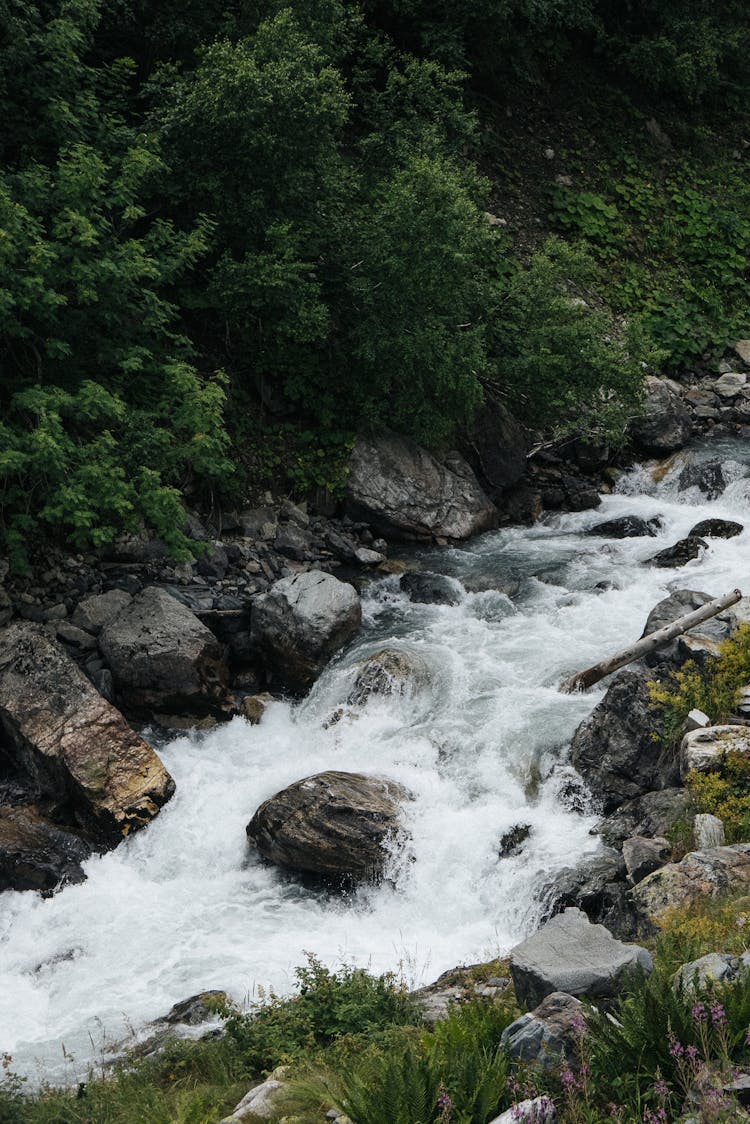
[184, 905]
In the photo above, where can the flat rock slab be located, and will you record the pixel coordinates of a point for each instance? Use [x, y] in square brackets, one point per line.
[570, 954]
[75, 746]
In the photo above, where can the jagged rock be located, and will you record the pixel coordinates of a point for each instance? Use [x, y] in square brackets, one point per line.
[684, 551]
[335, 824]
[570, 954]
[496, 446]
[301, 623]
[203, 1011]
[708, 832]
[213, 562]
[73, 743]
[94, 612]
[707, 478]
[597, 886]
[403, 491]
[664, 424]
[701, 874]
[652, 814]
[536, 1110]
[696, 720]
[618, 749]
[430, 589]
[716, 529]
[704, 750]
[75, 638]
[388, 672]
[680, 602]
[548, 1035]
[643, 855]
[293, 542]
[36, 855]
[742, 348]
[625, 527]
[162, 657]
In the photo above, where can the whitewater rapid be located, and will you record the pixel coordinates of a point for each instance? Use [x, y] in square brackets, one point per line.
[185, 906]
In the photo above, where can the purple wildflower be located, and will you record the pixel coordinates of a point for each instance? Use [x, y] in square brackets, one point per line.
[718, 1015]
[698, 1012]
[676, 1049]
[661, 1091]
[568, 1079]
[692, 1053]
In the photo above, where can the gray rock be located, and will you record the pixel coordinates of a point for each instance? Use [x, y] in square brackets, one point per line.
[162, 657]
[665, 423]
[259, 523]
[618, 749]
[707, 477]
[696, 720]
[334, 824]
[6, 607]
[75, 638]
[597, 886]
[403, 491]
[625, 527]
[652, 814]
[536, 1110]
[684, 551]
[512, 841]
[730, 384]
[680, 602]
[366, 557]
[94, 612]
[742, 348]
[704, 750]
[570, 954]
[35, 854]
[700, 875]
[301, 623]
[643, 855]
[293, 542]
[548, 1035]
[261, 1103]
[716, 967]
[388, 672]
[73, 744]
[431, 589]
[496, 447]
[708, 832]
[716, 529]
[460, 985]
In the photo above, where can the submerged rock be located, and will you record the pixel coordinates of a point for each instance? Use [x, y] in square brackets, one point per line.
[392, 671]
[76, 747]
[35, 854]
[402, 490]
[708, 478]
[716, 529]
[684, 551]
[162, 657]
[334, 824]
[625, 527]
[430, 589]
[301, 623]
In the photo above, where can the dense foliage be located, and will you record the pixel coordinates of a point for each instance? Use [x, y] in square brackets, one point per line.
[243, 225]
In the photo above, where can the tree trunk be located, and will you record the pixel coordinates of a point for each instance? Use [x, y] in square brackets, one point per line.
[647, 644]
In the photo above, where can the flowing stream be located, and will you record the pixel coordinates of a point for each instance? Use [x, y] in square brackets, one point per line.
[184, 906]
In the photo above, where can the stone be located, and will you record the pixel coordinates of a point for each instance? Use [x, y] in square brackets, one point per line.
[625, 527]
[461, 985]
[742, 348]
[684, 551]
[570, 954]
[92, 613]
[35, 854]
[301, 623]
[618, 749]
[730, 384]
[716, 529]
[495, 445]
[708, 477]
[696, 720]
[700, 875]
[261, 1103]
[6, 607]
[652, 814]
[74, 637]
[259, 523]
[716, 967]
[643, 855]
[293, 542]
[664, 424]
[549, 1035]
[162, 657]
[708, 832]
[213, 562]
[253, 707]
[512, 841]
[704, 750]
[678, 604]
[73, 744]
[334, 824]
[431, 589]
[391, 671]
[401, 490]
[536, 1110]
[595, 885]
[366, 557]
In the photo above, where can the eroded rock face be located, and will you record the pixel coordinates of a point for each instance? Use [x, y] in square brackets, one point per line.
[301, 623]
[403, 491]
[597, 886]
[76, 747]
[701, 874]
[162, 657]
[618, 749]
[664, 425]
[496, 445]
[92, 613]
[333, 824]
[35, 854]
[570, 954]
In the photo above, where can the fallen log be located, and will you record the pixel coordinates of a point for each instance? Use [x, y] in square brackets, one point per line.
[647, 644]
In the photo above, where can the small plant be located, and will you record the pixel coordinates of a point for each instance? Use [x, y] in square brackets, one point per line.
[725, 792]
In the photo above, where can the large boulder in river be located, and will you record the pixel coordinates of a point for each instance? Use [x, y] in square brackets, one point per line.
[162, 657]
[619, 749]
[341, 825]
[684, 551]
[625, 527]
[35, 854]
[301, 623]
[678, 604]
[77, 748]
[403, 491]
[664, 424]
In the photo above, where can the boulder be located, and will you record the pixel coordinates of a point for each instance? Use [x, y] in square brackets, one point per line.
[535, 1110]
[261, 1103]
[77, 748]
[461, 985]
[496, 445]
[742, 348]
[401, 490]
[548, 1035]
[730, 384]
[652, 814]
[618, 749]
[664, 424]
[333, 824]
[431, 589]
[701, 874]
[92, 613]
[36, 855]
[253, 707]
[678, 604]
[716, 529]
[716, 967]
[392, 671]
[704, 750]
[625, 527]
[708, 832]
[597, 886]
[684, 551]
[301, 623]
[707, 477]
[570, 954]
[643, 855]
[163, 658]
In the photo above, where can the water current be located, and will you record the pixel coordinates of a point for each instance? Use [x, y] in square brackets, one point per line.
[185, 906]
